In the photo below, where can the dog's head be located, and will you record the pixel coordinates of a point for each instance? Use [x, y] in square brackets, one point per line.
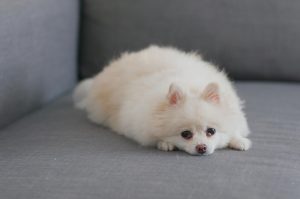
[193, 120]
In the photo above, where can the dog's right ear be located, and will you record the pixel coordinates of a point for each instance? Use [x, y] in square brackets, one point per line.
[175, 95]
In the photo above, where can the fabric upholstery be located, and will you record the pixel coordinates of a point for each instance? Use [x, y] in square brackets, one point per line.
[38, 42]
[57, 153]
[251, 39]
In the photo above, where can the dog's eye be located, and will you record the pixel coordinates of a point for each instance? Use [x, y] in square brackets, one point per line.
[187, 135]
[210, 132]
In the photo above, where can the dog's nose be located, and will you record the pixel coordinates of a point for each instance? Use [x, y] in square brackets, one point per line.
[201, 148]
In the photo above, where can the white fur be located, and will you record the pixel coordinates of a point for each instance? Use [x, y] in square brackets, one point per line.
[81, 92]
[151, 96]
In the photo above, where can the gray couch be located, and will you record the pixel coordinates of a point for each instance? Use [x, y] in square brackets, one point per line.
[50, 150]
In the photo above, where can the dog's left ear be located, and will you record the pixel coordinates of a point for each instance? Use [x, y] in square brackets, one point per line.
[211, 93]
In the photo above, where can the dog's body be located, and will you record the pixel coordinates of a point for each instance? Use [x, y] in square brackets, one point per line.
[165, 97]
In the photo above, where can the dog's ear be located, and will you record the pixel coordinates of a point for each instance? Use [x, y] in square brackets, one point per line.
[175, 95]
[211, 93]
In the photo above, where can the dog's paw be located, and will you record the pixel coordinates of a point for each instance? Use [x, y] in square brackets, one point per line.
[165, 146]
[240, 143]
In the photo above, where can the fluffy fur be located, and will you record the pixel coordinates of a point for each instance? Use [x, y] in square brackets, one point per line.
[153, 95]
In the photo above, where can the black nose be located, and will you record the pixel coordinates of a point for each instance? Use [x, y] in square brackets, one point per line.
[201, 148]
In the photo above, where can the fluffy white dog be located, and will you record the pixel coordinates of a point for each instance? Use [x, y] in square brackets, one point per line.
[165, 97]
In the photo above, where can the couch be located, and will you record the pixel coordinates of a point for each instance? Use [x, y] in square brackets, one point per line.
[48, 149]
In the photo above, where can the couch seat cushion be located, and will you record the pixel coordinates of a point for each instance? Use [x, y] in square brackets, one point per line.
[57, 153]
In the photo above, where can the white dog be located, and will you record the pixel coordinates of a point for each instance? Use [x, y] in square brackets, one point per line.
[165, 97]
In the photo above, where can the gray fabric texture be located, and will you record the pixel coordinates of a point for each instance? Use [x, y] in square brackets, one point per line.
[38, 42]
[57, 153]
[251, 39]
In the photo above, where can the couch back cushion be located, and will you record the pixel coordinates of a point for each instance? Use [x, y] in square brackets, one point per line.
[38, 40]
[251, 39]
